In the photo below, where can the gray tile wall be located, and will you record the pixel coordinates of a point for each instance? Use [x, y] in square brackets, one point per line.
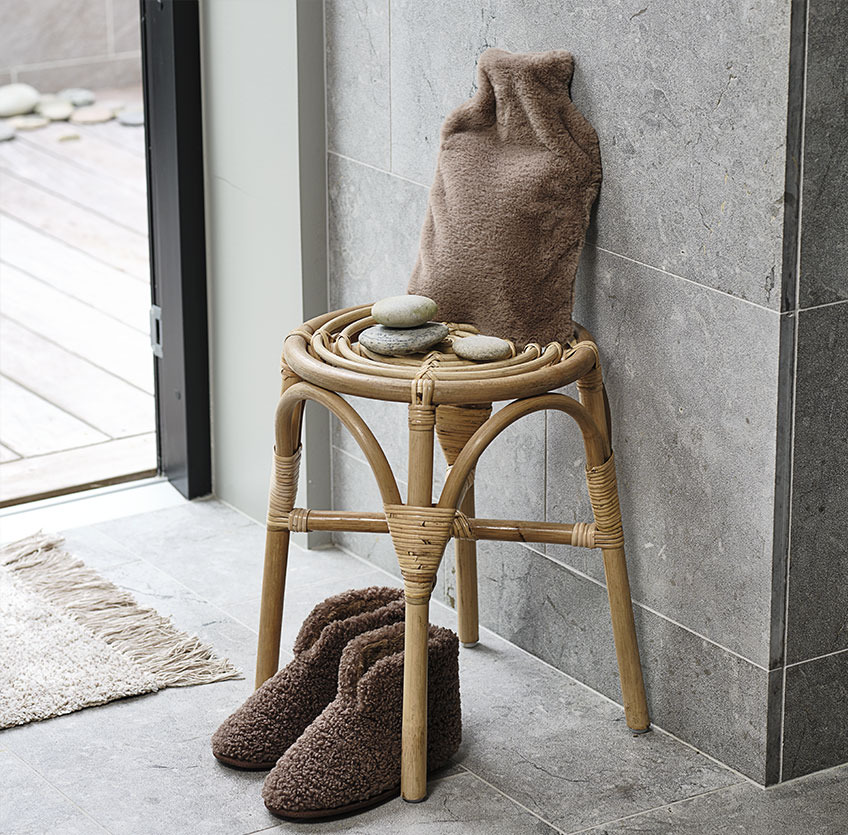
[680, 283]
[52, 44]
[814, 681]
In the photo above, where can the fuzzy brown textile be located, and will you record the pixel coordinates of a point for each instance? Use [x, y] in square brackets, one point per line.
[350, 755]
[518, 171]
[276, 714]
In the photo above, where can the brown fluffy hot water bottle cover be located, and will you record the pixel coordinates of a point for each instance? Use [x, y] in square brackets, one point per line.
[518, 171]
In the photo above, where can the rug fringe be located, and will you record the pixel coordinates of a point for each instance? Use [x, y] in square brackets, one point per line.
[171, 656]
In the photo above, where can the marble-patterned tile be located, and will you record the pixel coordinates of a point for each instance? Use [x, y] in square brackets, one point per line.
[31, 806]
[96, 73]
[824, 244]
[126, 30]
[815, 720]
[300, 600]
[692, 392]
[96, 549]
[563, 618]
[357, 56]
[563, 751]
[460, 804]
[374, 228]
[818, 561]
[33, 33]
[693, 141]
[817, 805]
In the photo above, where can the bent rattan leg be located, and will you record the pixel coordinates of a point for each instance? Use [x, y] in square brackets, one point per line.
[281, 498]
[609, 536]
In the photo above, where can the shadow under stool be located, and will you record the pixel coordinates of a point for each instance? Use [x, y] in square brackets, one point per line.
[450, 398]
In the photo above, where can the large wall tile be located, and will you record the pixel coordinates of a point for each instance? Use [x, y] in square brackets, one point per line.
[818, 561]
[357, 50]
[51, 30]
[691, 378]
[693, 140]
[126, 20]
[824, 242]
[815, 722]
[375, 223]
[563, 618]
[99, 72]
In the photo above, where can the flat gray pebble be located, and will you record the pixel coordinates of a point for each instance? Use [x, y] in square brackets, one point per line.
[482, 348]
[399, 342]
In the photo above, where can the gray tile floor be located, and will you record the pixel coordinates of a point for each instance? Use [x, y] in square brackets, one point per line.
[541, 753]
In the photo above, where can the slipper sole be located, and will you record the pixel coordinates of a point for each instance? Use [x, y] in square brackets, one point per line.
[338, 811]
[243, 765]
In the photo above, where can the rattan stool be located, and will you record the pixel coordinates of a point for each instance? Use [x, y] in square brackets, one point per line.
[322, 360]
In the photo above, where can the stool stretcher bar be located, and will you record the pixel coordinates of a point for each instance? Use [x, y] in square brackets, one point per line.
[501, 530]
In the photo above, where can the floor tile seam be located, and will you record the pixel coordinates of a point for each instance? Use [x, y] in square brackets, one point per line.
[512, 800]
[655, 809]
[64, 794]
[669, 274]
[645, 606]
[201, 598]
[254, 598]
[536, 659]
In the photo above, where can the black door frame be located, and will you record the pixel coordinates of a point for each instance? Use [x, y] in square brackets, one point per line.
[170, 49]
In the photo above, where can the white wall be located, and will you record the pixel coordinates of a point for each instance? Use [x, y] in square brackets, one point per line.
[254, 133]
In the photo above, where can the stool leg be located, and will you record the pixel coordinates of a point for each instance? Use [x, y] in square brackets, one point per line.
[413, 775]
[466, 580]
[414, 754]
[626, 645]
[271, 611]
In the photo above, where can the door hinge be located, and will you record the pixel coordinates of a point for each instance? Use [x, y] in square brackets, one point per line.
[156, 330]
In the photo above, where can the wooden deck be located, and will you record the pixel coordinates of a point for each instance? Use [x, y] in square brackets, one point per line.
[76, 370]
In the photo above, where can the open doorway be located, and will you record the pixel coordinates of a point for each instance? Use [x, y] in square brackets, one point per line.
[77, 403]
[102, 251]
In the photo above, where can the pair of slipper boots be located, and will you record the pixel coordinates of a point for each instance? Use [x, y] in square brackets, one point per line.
[328, 725]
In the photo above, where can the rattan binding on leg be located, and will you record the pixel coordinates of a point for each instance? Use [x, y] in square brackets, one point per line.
[283, 491]
[603, 493]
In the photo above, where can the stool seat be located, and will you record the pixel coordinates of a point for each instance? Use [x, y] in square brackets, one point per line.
[325, 351]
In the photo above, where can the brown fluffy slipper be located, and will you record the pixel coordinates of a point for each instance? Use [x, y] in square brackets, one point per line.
[278, 712]
[348, 759]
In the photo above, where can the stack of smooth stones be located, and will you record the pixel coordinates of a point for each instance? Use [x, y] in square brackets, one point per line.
[22, 107]
[406, 327]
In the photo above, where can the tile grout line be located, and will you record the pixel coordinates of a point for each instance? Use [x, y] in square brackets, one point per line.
[56, 788]
[655, 809]
[602, 585]
[743, 778]
[589, 243]
[820, 306]
[816, 658]
[683, 278]
[513, 800]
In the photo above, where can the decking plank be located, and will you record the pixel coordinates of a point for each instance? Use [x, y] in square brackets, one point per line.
[7, 454]
[87, 231]
[74, 385]
[105, 196]
[90, 152]
[111, 291]
[86, 467]
[92, 335]
[31, 425]
[128, 137]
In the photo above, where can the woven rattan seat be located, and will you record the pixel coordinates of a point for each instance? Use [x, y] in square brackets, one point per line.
[450, 399]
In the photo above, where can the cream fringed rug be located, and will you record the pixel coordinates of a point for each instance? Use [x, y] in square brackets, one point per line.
[70, 639]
